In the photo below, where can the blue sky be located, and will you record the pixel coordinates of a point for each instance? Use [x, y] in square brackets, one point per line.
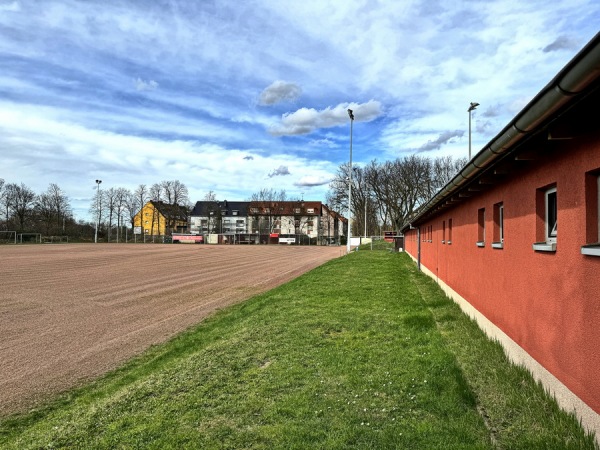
[234, 96]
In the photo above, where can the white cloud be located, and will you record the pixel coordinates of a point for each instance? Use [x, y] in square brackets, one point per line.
[142, 85]
[326, 142]
[307, 120]
[280, 91]
[10, 6]
[312, 181]
[280, 171]
[441, 140]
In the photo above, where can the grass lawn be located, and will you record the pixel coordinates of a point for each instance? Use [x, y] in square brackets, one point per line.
[362, 352]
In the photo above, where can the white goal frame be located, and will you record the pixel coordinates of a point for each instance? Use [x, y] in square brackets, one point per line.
[14, 233]
[37, 237]
[55, 239]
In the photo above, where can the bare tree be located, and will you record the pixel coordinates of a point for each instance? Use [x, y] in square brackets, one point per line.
[141, 197]
[51, 209]
[110, 197]
[131, 207]
[263, 204]
[22, 203]
[156, 192]
[213, 212]
[176, 193]
[121, 201]
[390, 192]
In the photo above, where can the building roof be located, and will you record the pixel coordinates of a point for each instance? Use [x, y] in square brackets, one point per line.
[286, 208]
[203, 208]
[566, 107]
[175, 212]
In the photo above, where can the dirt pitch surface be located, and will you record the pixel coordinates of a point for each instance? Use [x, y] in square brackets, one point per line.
[69, 313]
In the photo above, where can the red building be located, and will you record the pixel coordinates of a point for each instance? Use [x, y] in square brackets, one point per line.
[492, 240]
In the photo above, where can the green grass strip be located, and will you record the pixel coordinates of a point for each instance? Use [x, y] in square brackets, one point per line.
[362, 352]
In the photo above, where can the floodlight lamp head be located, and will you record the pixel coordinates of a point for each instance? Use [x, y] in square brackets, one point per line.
[350, 114]
[98, 181]
[473, 106]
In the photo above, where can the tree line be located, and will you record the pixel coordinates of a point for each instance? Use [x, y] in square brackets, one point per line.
[50, 213]
[386, 194]
[384, 197]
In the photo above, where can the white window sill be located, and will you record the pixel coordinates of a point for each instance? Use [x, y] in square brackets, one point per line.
[591, 249]
[443, 242]
[544, 246]
[480, 244]
[498, 244]
[448, 242]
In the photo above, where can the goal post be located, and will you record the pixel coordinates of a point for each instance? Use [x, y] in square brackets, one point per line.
[36, 237]
[8, 237]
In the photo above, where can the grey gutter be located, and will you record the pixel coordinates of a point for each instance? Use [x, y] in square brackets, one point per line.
[572, 80]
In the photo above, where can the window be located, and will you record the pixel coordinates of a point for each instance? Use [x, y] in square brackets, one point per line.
[297, 211]
[449, 231]
[234, 213]
[481, 227]
[551, 215]
[310, 210]
[592, 213]
[443, 232]
[498, 238]
[547, 219]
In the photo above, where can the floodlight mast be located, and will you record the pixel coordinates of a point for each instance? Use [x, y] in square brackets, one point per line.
[351, 115]
[471, 109]
[97, 209]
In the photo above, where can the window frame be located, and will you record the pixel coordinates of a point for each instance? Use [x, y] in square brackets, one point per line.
[550, 235]
[480, 227]
[443, 231]
[548, 200]
[498, 238]
[592, 211]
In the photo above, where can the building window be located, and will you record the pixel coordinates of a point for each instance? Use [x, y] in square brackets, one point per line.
[481, 227]
[498, 238]
[234, 213]
[449, 231]
[592, 212]
[297, 211]
[310, 210]
[443, 232]
[547, 219]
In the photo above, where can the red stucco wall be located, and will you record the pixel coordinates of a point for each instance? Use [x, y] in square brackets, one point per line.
[547, 302]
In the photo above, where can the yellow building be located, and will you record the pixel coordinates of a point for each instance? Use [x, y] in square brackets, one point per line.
[160, 219]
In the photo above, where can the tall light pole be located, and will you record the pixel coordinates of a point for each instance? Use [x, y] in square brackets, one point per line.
[350, 186]
[97, 209]
[366, 201]
[470, 110]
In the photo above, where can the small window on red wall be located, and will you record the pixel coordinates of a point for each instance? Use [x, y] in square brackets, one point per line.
[449, 231]
[498, 238]
[546, 231]
[592, 214]
[481, 227]
[443, 232]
